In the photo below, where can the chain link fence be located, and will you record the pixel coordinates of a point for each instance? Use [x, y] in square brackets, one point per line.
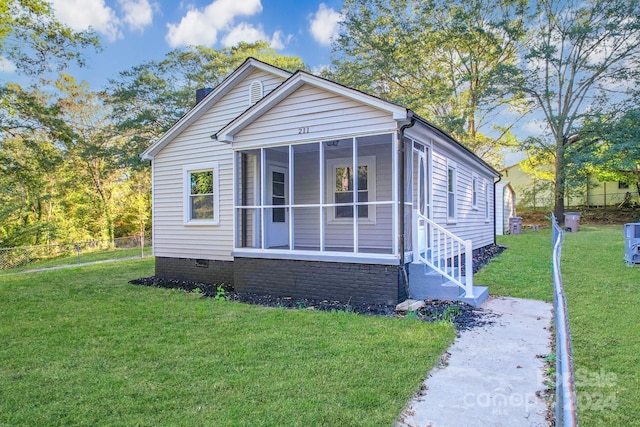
[81, 251]
[566, 406]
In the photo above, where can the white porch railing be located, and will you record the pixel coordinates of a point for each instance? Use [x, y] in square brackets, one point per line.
[444, 252]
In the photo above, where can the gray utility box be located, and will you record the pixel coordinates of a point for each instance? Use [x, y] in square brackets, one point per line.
[632, 243]
[572, 222]
[515, 225]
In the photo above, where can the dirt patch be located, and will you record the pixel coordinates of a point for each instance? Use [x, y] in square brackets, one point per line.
[588, 216]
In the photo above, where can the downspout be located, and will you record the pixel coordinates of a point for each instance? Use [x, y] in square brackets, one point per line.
[401, 152]
[495, 224]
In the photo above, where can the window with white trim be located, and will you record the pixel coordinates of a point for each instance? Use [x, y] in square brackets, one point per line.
[451, 191]
[486, 201]
[341, 188]
[474, 191]
[201, 194]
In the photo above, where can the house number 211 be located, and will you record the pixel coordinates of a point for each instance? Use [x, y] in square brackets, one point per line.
[303, 130]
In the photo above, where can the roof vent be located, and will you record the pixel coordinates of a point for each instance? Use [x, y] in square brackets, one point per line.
[255, 92]
[201, 93]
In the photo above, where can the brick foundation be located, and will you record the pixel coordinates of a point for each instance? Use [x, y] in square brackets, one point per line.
[346, 282]
[204, 271]
[357, 283]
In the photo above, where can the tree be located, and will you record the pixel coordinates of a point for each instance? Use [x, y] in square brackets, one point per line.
[35, 41]
[96, 151]
[610, 149]
[30, 128]
[581, 59]
[451, 62]
[30, 159]
[149, 98]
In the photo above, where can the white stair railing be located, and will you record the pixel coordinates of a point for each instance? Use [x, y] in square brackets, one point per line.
[445, 253]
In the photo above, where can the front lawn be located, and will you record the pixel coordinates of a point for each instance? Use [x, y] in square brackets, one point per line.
[603, 295]
[81, 346]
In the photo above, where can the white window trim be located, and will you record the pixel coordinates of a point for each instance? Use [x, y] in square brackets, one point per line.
[454, 167]
[475, 190]
[331, 165]
[186, 190]
[487, 206]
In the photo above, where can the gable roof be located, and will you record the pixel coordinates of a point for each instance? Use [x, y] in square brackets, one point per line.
[298, 79]
[293, 81]
[247, 67]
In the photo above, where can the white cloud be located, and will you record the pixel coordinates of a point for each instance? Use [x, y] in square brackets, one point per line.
[535, 127]
[279, 40]
[201, 26]
[6, 66]
[244, 32]
[137, 14]
[325, 24]
[82, 14]
[318, 70]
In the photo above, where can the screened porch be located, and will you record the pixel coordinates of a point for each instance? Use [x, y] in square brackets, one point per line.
[328, 197]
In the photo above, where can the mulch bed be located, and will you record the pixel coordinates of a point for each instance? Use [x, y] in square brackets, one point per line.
[462, 315]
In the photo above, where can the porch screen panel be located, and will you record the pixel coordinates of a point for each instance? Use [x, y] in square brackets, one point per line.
[248, 196]
[306, 197]
[306, 230]
[248, 233]
[409, 198]
[306, 174]
[375, 194]
[276, 211]
[339, 189]
[377, 238]
[338, 234]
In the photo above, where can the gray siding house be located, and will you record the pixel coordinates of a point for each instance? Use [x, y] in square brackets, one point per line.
[292, 185]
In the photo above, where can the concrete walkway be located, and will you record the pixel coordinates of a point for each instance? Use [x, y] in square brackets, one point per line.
[493, 374]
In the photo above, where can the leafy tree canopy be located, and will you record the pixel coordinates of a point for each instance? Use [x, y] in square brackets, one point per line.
[451, 62]
[610, 148]
[35, 41]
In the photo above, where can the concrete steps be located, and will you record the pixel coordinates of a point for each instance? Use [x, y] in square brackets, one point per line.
[424, 283]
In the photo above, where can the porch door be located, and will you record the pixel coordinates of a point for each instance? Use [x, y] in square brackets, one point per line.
[420, 198]
[277, 219]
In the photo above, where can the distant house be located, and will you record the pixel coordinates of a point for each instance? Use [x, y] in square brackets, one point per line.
[505, 206]
[292, 185]
[537, 193]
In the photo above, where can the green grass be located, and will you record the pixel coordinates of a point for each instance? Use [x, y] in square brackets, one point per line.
[522, 271]
[85, 256]
[80, 346]
[603, 296]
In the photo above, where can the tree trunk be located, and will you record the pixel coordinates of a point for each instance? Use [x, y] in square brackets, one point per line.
[110, 227]
[558, 207]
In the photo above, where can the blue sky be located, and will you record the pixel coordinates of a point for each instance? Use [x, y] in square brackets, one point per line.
[136, 31]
